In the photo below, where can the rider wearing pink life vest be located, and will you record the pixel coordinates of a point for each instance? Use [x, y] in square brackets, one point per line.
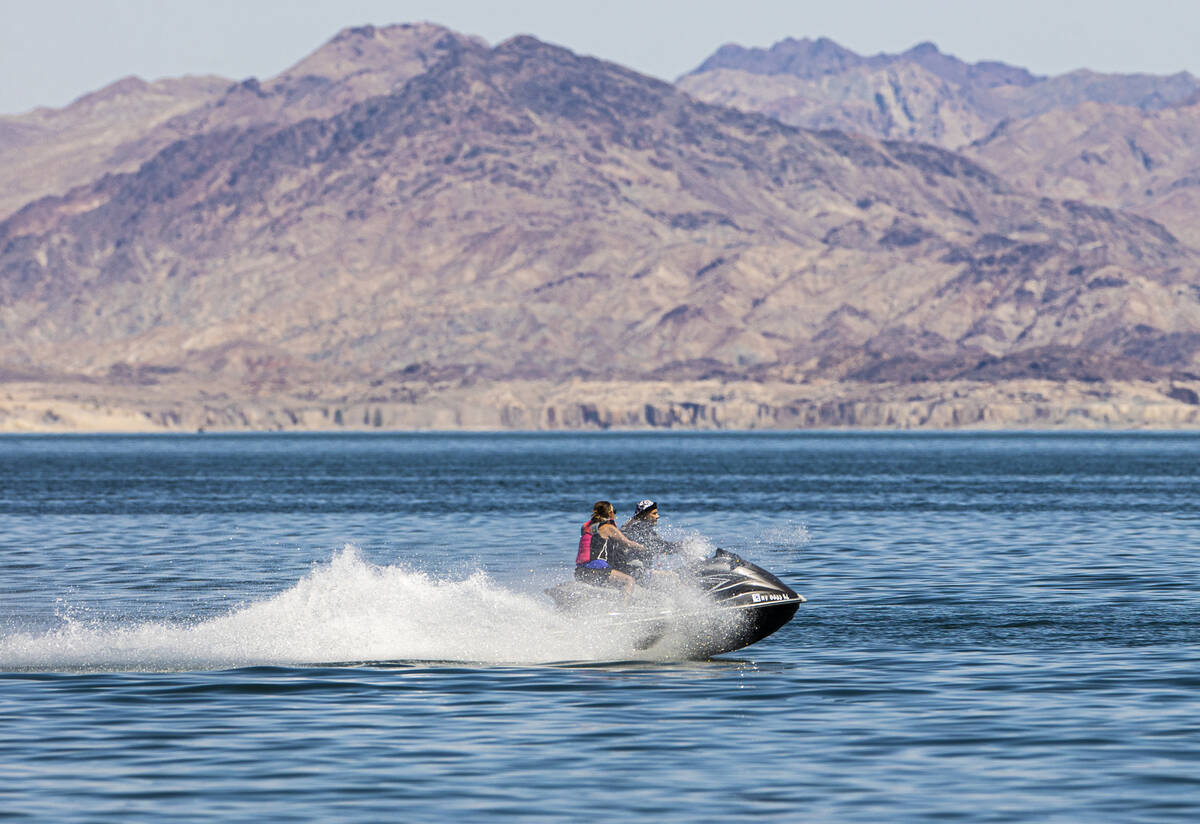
[597, 538]
[584, 554]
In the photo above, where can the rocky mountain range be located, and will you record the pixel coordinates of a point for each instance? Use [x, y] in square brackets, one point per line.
[412, 228]
[1130, 142]
[920, 94]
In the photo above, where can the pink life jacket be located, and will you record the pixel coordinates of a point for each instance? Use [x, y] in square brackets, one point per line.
[584, 554]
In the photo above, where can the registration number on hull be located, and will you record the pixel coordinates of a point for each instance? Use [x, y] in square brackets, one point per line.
[760, 597]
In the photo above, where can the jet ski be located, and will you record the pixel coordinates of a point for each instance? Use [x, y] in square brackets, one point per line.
[713, 606]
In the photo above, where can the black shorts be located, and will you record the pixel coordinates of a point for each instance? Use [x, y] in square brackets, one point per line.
[590, 575]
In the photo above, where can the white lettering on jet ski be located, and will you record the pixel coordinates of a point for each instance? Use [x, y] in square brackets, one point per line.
[759, 597]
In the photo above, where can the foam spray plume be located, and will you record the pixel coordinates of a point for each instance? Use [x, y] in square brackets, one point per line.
[345, 611]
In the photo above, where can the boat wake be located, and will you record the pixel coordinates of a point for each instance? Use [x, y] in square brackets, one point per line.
[348, 611]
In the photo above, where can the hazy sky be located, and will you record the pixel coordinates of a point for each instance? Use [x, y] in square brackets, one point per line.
[52, 51]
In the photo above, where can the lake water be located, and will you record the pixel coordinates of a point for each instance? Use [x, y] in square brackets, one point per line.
[999, 628]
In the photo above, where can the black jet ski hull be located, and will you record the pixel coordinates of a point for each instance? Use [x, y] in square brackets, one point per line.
[742, 604]
[756, 623]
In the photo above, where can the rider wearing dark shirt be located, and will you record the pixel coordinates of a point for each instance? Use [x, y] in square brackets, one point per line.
[642, 527]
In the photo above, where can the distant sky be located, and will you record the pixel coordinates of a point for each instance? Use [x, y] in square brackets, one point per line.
[52, 51]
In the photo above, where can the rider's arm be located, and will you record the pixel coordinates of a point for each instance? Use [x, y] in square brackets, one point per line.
[619, 535]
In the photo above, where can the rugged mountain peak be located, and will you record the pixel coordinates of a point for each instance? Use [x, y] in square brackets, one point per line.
[919, 94]
[983, 75]
[922, 49]
[388, 55]
[356, 65]
[811, 59]
[801, 58]
[550, 79]
[119, 88]
[126, 96]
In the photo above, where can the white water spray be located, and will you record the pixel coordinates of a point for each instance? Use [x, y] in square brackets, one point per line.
[346, 611]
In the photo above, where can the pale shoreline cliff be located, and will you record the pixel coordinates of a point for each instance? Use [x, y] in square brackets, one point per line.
[583, 406]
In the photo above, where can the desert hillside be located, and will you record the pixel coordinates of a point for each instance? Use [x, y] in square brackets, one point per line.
[411, 228]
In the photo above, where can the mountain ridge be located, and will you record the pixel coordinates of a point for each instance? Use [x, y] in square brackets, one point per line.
[1079, 135]
[808, 59]
[519, 213]
[920, 94]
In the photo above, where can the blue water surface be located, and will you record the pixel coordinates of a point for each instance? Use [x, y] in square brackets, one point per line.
[1000, 628]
